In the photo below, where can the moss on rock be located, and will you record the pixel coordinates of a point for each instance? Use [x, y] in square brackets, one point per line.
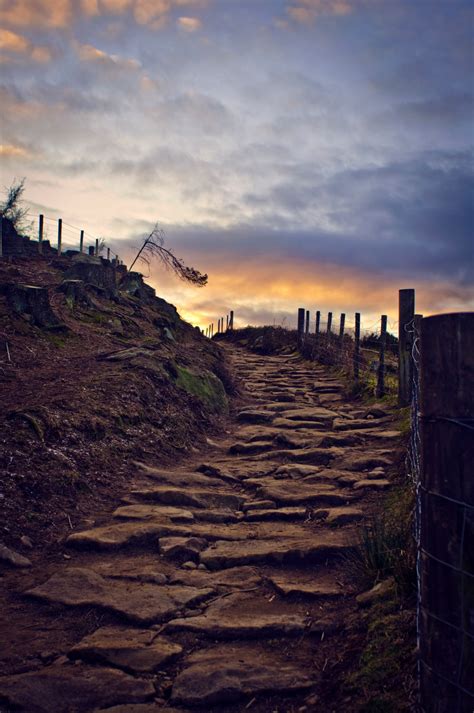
[206, 386]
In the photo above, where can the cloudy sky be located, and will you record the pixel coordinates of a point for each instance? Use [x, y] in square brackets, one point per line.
[312, 153]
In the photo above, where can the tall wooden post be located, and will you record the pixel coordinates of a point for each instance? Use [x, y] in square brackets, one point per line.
[406, 313]
[447, 513]
[40, 233]
[81, 242]
[97, 247]
[60, 235]
[341, 328]
[380, 390]
[318, 322]
[231, 319]
[227, 324]
[356, 345]
[306, 328]
[301, 315]
[108, 253]
[329, 322]
[1, 235]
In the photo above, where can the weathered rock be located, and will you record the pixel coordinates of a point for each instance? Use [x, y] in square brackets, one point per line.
[363, 461]
[276, 514]
[225, 674]
[144, 604]
[382, 590]
[239, 616]
[319, 414]
[342, 516]
[153, 512]
[63, 689]
[112, 537]
[76, 293]
[176, 477]
[255, 416]
[342, 424]
[133, 650]
[373, 484]
[224, 554]
[12, 558]
[258, 505]
[300, 493]
[233, 578]
[304, 585]
[182, 547]
[190, 497]
[250, 448]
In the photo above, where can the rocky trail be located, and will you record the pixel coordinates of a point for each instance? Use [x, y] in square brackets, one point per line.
[219, 585]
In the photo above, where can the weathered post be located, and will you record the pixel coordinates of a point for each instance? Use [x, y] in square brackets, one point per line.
[97, 247]
[406, 313]
[306, 328]
[301, 312]
[60, 235]
[40, 233]
[108, 253]
[231, 320]
[1, 235]
[380, 389]
[446, 562]
[227, 324]
[81, 242]
[318, 322]
[90, 250]
[356, 346]
[329, 324]
[341, 328]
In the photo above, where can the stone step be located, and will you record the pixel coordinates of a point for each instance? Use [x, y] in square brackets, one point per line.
[139, 603]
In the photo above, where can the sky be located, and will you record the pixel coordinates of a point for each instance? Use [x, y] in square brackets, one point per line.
[314, 153]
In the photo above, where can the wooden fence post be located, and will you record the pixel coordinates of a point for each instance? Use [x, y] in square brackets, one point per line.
[301, 315]
[406, 313]
[318, 322]
[108, 253]
[356, 346]
[329, 322]
[60, 235]
[231, 320]
[380, 390]
[446, 562]
[341, 329]
[227, 324]
[306, 328]
[40, 233]
[97, 247]
[1, 235]
[81, 242]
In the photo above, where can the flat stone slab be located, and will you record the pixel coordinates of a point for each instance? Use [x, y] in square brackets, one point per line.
[371, 484]
[276, 514]
[12, 558]
[296, 425]
[176, 477]
[225, 674]
[239, 616]
[112, 537]
[133, 650]
[153, 512]
[142, 603]
[313, 456]
[250, 447]
[233, 578]
[342, 516]
[182, 547]
[296, 493]
[341, 424]
[322, 415]
[63, 689]
[187, 496]
[307, 586]
[225, 554]
[363, 461]
[255, 416]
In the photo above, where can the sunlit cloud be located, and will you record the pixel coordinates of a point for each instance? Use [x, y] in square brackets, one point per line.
[15, 45]
[306, 11]
[88, 53]
[12, 151]
[189, 24]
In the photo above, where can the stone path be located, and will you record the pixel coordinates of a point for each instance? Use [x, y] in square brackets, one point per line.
[225, 579]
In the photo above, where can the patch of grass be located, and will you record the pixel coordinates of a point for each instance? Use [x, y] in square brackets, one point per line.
[385, 545]
[205, 386]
